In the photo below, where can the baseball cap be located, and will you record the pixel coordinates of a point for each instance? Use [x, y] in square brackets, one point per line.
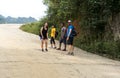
[69, 21]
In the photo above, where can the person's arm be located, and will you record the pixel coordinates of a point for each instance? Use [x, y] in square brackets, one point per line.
[47, 35]
[54, 32]
[69, 34]
[70, 31]
[41, 32]
[64, 32]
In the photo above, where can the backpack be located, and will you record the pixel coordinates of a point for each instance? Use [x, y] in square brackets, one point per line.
[74, 33]
[56, 34]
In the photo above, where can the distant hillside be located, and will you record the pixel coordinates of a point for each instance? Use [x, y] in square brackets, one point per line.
[19, 20]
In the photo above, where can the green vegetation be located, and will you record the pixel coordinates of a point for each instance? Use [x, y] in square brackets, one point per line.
[31, 28]
[97, 22]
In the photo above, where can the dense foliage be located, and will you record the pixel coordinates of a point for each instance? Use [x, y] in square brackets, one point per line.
[19, 20]
[93, 19]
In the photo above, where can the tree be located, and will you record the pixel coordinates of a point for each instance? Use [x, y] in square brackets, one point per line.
[2, 19]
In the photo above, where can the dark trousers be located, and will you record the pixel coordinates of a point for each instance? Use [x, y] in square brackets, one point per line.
[52, 40]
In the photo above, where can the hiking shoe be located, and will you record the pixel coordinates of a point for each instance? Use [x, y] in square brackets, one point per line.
[42, 50]
[58, 49]
[68, 53]
[64, 50]
[54, 47]
[46, 49]
[72, 54]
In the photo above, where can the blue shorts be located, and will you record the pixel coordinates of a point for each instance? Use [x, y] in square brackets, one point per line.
[70, 41]
[63, 40]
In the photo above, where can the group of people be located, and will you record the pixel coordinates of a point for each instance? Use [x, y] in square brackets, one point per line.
[66, 37]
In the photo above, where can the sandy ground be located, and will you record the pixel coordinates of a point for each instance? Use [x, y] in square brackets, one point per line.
[21, 57]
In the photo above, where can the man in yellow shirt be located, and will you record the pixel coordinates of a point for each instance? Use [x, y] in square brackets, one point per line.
[53, 32]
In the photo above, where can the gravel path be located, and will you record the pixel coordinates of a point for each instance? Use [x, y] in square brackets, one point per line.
[21, 57]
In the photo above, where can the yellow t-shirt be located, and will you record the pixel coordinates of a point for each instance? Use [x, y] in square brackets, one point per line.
[53, 30]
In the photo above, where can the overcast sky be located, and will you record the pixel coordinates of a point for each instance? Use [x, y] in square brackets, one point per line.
[22, 8]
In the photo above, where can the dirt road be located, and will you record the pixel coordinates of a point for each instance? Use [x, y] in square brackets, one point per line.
[21, 57]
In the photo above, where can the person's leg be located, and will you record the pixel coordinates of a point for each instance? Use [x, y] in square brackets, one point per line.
[60, 43]
[54, 43]
[51, 41]
[64, 47]
[59, 48]
[69, 46]
[72, 47]
[46, 45]
[70, 50]
[64, 41]
[42, 43]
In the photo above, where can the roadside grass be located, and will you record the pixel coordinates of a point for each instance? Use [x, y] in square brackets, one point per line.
[31, 28]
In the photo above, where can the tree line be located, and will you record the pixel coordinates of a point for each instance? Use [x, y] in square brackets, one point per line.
[19, 20]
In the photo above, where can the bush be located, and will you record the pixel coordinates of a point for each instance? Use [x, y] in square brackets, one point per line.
[109, 49]
[31, 28]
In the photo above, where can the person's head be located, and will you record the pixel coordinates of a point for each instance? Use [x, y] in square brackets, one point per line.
[53, 26]
[69, 22]
[62, 24]
[46, 24]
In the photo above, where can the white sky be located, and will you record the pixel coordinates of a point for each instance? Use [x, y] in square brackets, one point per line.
[22, 8]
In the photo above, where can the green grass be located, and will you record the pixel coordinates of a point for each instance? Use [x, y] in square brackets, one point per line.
[31, 28]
